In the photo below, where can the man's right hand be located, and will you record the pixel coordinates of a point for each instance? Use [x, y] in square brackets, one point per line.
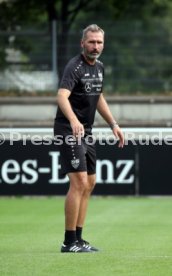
[77, 128]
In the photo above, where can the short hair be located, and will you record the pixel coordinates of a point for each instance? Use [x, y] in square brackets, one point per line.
[91, 28]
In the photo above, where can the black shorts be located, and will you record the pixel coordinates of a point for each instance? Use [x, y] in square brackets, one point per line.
[77, 155]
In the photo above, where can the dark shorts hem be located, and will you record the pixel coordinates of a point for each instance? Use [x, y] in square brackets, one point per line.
[76, 171]
[90, 173]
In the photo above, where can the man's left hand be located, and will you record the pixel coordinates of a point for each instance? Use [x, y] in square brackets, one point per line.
[119, 134]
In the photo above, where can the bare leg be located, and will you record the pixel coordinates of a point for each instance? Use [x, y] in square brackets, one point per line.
[91, 179]
[78, 184]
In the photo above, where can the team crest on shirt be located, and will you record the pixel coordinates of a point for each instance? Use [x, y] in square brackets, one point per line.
[75, 163]
[100, 76]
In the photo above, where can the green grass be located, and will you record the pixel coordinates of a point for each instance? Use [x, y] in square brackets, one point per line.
[134, 234]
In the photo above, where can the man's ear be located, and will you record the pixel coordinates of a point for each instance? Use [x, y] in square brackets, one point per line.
[81, 43]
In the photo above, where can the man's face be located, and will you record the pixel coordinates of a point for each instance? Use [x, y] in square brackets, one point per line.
[93, 45]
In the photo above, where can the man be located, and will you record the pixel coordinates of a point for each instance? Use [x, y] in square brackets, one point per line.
[79, 95]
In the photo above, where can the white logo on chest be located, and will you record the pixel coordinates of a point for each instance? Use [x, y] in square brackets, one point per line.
[88, 87]
[100, 76]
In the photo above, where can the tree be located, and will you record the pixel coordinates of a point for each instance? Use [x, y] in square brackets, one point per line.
[73, 13]
[31, 11]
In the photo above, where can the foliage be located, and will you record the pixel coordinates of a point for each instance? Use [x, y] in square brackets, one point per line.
[130, 28]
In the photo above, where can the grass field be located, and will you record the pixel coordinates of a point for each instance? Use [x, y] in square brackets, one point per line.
[134, 235]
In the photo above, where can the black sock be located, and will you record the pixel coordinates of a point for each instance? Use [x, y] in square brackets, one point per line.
[70, 237]
[79, 233]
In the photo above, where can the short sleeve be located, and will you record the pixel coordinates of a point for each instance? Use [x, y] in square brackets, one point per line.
[70, 77]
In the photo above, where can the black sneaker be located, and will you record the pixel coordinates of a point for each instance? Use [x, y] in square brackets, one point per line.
[74, 248]
[86, 245]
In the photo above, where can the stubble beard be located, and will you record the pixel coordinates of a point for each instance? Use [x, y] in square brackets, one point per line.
[91, 56]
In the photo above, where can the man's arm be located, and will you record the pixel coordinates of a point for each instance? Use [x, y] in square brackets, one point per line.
[105, 112]
[65, 106]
